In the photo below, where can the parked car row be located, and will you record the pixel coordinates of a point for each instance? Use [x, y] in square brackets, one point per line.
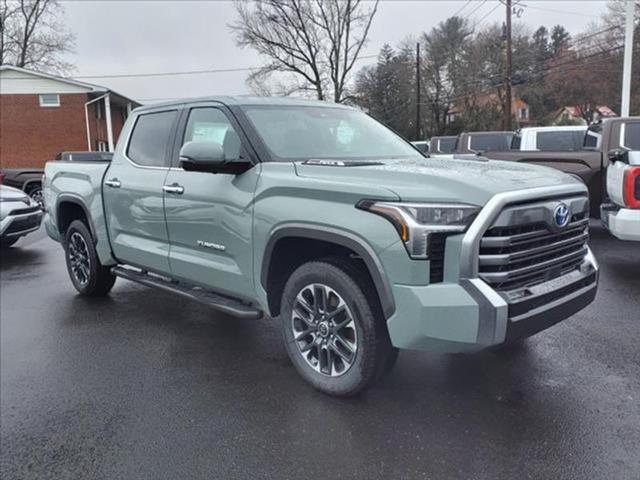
[580, 151]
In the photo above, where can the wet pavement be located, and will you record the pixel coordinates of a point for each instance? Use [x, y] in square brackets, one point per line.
[143, 385]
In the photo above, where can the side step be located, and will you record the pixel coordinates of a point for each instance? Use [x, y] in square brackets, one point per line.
[219, 302]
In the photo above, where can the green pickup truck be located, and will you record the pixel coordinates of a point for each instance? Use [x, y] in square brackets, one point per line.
[319, 216]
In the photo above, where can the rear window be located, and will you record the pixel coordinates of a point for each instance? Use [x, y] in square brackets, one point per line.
[499, 142]
[567, 141]
[632, 135]
[148, 143]
[447, 145]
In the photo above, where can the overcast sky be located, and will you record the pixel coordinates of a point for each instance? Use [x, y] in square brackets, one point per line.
[132, 37]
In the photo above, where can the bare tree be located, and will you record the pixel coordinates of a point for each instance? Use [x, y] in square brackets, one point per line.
[32, 35]
[318, 41]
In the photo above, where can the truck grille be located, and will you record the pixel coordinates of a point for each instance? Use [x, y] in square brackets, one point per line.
[523, 255]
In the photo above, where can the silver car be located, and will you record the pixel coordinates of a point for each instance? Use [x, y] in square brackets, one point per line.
[19, 215]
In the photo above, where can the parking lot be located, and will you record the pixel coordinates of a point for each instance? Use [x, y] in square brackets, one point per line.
[145, 385]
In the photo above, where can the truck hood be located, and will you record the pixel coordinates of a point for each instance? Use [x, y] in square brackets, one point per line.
[441, 179]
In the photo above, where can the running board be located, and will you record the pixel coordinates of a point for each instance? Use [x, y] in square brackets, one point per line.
[219, 302]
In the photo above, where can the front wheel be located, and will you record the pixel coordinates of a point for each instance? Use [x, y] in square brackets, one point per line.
[87, 274]
[333, 328]
[37, 194]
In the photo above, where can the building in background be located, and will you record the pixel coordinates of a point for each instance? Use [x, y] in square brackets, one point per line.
[42, 115]
[519, 108]
[578, 114]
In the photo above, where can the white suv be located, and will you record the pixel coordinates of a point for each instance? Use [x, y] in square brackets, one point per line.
[621, 216]
[19, 215]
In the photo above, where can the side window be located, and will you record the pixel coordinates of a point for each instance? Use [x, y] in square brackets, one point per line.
[208, 124]
[632, 135]
[148, 143]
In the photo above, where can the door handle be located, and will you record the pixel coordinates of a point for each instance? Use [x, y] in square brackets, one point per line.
[113, 183]
[175, 189]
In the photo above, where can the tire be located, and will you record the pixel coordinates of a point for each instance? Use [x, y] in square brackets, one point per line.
[87, 274]
[8, 242]
[360, 351]
[36, 193]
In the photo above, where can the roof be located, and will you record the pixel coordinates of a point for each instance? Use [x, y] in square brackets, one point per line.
[554, 129]
[70, 81]
[247, 101]
[574, 111]
[90, 87]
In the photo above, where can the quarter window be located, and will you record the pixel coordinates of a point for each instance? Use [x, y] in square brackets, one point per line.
[149, 139]
[49, 100]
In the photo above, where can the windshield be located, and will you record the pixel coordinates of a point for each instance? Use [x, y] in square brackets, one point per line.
[499, 142]
[301, 133]
[561, 141]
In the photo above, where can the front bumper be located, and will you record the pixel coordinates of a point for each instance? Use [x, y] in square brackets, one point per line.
[472, 316]
[623, 223]
[19, 225]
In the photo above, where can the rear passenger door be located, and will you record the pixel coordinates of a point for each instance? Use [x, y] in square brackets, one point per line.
[133, 194]
[209, 216]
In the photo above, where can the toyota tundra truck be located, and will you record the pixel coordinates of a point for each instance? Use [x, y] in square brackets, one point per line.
[318, 216]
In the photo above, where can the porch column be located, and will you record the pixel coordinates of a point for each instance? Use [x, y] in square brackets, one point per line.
[107, 112]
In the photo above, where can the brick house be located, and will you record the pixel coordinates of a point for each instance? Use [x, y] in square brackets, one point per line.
[42, 115]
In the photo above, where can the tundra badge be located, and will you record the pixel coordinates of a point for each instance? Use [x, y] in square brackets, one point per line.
[215, 246]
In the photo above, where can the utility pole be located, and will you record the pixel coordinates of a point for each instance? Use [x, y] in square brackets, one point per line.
[418, 135]
[507, 79]
[628, 55]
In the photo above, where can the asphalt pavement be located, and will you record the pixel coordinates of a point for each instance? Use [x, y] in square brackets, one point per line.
[144, 385]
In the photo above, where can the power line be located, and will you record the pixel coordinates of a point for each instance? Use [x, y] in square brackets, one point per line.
[475, 9]
[186, 72]
[555, 10]
[461, 8]
[486, 15]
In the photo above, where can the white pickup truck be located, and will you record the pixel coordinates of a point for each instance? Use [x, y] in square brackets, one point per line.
[549, 139]
[621, 214]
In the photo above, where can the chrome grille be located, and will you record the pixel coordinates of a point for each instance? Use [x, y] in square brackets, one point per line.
[524, 248]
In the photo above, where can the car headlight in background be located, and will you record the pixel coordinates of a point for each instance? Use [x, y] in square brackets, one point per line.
[416, 222]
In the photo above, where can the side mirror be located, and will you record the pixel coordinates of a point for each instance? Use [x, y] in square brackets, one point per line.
[201, 156]
[618, 155]
[209, 157]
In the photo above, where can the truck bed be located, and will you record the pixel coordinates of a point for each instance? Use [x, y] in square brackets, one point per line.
[79, 183]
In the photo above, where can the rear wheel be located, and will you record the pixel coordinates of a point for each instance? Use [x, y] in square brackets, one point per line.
[87, 274]
[333, 329]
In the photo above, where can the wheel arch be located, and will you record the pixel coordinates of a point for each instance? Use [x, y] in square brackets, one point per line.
[67, 210]
[329, 237]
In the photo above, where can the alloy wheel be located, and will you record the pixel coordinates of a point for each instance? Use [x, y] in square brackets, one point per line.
[79, 261]
[324, 330]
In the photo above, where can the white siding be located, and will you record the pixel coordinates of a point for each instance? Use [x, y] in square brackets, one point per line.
[23, 82]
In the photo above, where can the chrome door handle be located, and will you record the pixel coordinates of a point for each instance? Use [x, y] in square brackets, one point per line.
[113, 183]
[175, 188]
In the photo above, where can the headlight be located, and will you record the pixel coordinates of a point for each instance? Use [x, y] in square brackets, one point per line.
[416, 222]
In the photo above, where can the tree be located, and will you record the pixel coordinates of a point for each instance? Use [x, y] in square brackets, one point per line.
[318, 41]
[32, 35]
[444, 49]
[559, 39]
[385, 90]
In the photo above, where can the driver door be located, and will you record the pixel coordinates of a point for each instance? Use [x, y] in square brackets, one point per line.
[209, 216]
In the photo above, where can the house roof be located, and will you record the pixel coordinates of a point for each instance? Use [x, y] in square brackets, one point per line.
[603, 110]
[90, 87]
